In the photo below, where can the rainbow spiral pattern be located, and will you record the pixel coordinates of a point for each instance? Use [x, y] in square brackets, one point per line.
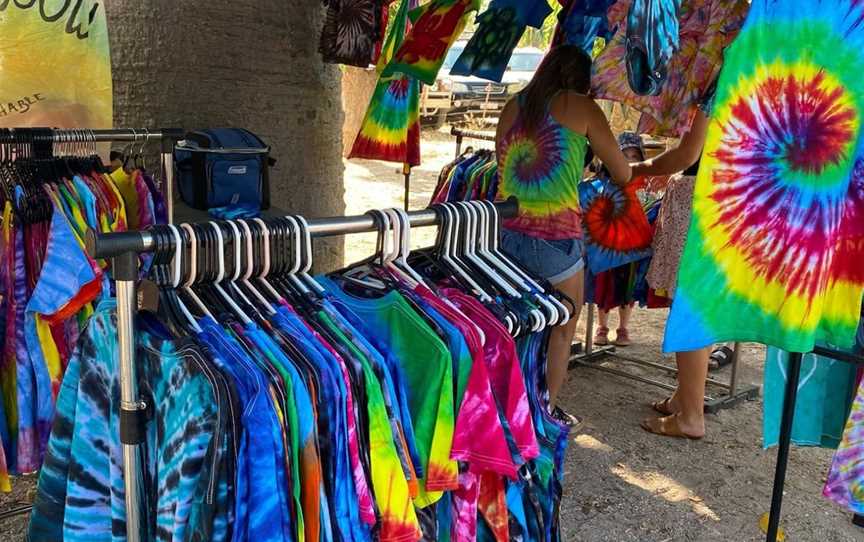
[775, 251]
[542, 169]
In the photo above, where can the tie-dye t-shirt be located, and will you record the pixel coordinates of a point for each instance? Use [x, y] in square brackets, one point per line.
[437, 24]
[616, 228]
[428, 371]
[543, 171]
[776, 239]
[391, 127]
[80, 495]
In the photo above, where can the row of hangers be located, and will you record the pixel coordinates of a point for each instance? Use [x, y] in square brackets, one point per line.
[241, 267]
[30, 157]
[468, 242]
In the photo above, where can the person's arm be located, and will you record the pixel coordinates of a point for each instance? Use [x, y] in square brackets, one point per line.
[505, 122]
[606, 147]
[686, 154]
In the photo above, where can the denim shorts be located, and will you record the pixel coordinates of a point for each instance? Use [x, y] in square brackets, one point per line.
[555, 261]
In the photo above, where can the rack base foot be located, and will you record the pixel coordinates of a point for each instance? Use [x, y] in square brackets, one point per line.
[713, 404]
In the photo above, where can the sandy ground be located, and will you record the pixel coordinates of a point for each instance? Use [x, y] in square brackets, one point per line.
[622, 484]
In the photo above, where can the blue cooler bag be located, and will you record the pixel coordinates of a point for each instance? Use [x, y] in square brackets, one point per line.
[223, 167]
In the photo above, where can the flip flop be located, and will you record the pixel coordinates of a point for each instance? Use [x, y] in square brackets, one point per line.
[666, 427]
[721, 357]
[662, 407]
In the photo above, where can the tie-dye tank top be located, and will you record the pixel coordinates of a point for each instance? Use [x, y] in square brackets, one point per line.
[542, 169]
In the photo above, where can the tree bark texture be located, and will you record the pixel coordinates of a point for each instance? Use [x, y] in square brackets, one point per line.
[242, 63]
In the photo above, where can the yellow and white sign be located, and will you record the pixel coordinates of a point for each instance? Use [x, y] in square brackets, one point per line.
[55, 64]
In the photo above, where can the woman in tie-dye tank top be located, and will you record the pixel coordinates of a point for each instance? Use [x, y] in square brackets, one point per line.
[543, 136]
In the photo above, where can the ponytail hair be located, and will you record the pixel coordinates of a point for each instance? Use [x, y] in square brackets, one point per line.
[565, 68]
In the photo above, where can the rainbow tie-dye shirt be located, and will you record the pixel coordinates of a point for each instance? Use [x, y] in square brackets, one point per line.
[776, 242]
[543, 170]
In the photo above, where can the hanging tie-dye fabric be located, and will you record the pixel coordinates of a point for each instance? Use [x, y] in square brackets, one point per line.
[581, 22]
[615, 227]
[391, 127]
[352, 31]
[489, 50]
[436, 25]
[776, 240]
[845, 484]
[707, 27]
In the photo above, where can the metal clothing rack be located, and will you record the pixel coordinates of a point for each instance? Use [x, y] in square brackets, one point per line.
[167, 136]
[790, 396]
[469, 134]
[123, 249]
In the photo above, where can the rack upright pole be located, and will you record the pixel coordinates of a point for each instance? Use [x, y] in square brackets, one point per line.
[132, 409]
[793, 374]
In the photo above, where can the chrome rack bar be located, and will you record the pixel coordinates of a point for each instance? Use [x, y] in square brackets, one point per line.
[123, 249]
[109, 245]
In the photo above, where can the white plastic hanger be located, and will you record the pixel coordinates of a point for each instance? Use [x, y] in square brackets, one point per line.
[193, 271]
[488, 229]
[306, 244]
[262, 278]
[250, 267]
[450, 223]
[494, 247]
[221, 275]
[175, 279]
[394, 259]
[402, 259]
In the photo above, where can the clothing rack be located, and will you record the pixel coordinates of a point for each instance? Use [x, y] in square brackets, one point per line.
[470, 134]
[123, 249]
[790, 396]
[167, 136]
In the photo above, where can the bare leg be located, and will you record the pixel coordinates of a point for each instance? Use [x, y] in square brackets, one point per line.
[602, 318]
[624, 316]
[561, 338]
[688, 401]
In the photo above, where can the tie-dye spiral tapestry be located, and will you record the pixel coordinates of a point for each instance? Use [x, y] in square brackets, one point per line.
[776, 242]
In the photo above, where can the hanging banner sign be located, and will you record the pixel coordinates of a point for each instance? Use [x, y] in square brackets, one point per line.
[55, 64]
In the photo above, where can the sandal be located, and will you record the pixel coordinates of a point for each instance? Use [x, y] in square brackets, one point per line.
[663, 407]
[601, 338]
[622, 337]
[721, 357]
[666, 427]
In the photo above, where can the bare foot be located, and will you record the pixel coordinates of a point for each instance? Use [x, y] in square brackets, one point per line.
[673, 426]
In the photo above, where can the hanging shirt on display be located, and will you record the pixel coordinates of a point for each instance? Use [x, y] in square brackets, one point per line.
[528, 12]
[352, 29]
[826, 390]
[774, 250]
[436, 25]
[652, 39]
[489, 50]
[707, 27]
[391, 127]
[616, 228]
[581, 22]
